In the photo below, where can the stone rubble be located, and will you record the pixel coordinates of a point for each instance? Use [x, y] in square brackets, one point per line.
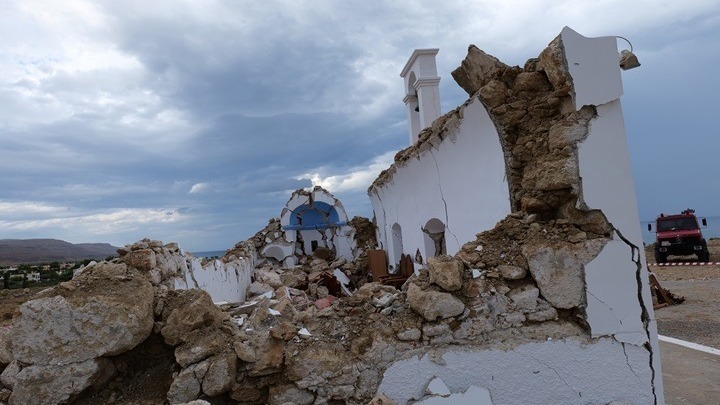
[309, 335]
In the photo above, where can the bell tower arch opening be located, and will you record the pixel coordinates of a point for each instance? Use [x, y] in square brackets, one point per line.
[422, 91]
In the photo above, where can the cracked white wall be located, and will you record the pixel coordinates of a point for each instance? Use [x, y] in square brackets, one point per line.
[461, 182]
[572, 371]
[223, 281]
[617, 285]
[621, 360]
[288, 248]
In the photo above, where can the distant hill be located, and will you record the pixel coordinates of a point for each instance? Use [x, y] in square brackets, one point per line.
[17, 251]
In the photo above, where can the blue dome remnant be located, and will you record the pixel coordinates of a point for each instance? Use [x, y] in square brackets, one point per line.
[314, 215]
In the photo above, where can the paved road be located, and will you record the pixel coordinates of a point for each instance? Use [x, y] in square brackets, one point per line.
[689, 376]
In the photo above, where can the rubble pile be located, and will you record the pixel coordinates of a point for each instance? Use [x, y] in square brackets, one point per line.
[318, 333]
[301, 337]
[269, 234]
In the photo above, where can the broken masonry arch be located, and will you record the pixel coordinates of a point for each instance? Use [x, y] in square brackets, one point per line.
[314, 218]
[275, 252]
[434, 238]
[397, 246]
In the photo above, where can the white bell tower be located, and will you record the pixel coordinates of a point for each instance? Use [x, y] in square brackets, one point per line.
[422, 90]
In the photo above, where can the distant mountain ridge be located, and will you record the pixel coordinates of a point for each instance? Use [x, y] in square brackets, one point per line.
[29, 251]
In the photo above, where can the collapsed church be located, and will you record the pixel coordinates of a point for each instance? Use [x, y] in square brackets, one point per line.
[502, 267]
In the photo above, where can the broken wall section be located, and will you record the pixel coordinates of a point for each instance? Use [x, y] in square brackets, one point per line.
[310, 220]
[452, 181]
[552, 135]
[225, 280]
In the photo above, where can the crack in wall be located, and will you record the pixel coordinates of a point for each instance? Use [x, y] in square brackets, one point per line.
[442, 196]
[627, 361]
[645, 314]
[553, 370]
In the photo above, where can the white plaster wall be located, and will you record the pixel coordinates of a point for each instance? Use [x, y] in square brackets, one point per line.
[594, 66]
[344, 240]
[287, 249]
[604, 163]
[464, 177]
[309, 235]
[569, 371]
[462, 183]
[224, 282]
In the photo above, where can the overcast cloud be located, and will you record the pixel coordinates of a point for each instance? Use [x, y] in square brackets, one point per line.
[192, 121]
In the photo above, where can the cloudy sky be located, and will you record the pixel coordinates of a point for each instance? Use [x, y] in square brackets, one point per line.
[191, 121]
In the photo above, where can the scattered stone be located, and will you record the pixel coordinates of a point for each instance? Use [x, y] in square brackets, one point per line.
[185, 311]
[270, 354]
[141, 259]
[511, 272]
[446, 271]
[244, 352]
[410, 334]
[433, 304]
[322, 253]
[289, 394]
[201, 344]
[186, 386]
[524, 297]
[56, 384]
[9, 375]
[220, 375]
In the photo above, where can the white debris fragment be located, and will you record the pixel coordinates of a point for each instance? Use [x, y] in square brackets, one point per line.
[476, 273]
[436, 386]
[239, 321]
[304, 332]
[344, 281]
[274, 312]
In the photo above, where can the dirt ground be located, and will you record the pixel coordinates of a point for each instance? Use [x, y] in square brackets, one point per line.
[698, 318]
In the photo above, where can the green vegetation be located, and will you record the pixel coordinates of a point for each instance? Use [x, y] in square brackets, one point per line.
[39, 275]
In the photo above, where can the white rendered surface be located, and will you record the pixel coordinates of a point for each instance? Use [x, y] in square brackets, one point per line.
[607, 183]
[461, 183]
[224, 282]
[473, 396]
[422, 91]
[594, 66]
[570, 371]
